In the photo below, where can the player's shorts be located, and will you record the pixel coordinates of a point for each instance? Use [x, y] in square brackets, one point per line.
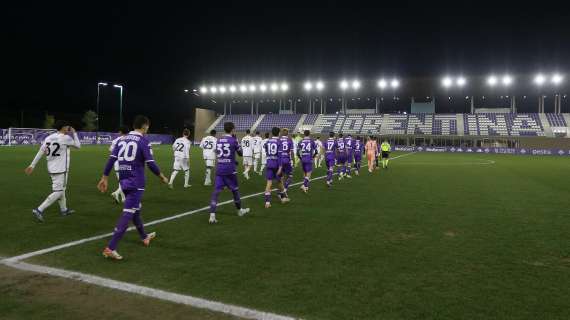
[133, 198]
[271, 174]
[385, 155]
[257, 155]
[210, 162]
[350, 157]
[307, 166]
[357, 157]
[58, 181]
[230, 181]
[341, 158]
[181, 164]
[286, 168]
[247, 160]
[370, 155]
[330, 163]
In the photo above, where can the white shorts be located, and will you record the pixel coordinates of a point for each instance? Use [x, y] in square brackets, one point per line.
[181, 164]
[210, 162]
[58, 181]
[247, 161]
[257, 155]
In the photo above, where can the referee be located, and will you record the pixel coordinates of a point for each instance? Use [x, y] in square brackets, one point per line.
[386, 149]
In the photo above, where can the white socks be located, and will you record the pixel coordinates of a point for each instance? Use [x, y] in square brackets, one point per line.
[172, 176]
[53, 197]
[186, 177]
[208, 179]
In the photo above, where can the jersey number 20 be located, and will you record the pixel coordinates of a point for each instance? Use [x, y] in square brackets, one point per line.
[128, 151]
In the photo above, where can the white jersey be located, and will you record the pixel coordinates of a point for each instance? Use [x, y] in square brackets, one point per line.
[256, 144]
[208, 146]
[263, 154]
[114, 143]
[181, 147]
[319, 144]
[56, 149]
[247, 146]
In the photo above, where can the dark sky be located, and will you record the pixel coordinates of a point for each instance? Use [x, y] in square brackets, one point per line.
[53, 54]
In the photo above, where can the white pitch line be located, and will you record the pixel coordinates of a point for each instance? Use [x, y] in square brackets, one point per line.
[149, 292]
[177, 216]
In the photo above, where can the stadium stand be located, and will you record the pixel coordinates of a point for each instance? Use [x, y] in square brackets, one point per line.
[288, 121]
[242, 121]
[556, 120]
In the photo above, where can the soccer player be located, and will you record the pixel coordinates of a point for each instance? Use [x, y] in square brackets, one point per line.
[306, 151]
[348, 142]
[133, 151]
[256, 151]
[341, 156]
[320, 152]
[286, 158]
[263, 154]
[118, 194]
[58, 155]
[296, 139]
[181, 148]
[386, 149]
[272, 149]
[377, 152]
[247, 147]
[357, 148]
[371, 153]
[208, 146]
[226, 176]
[330, 154]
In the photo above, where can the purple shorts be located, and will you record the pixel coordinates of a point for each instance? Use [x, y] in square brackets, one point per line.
[133, 199]
[341, 158]
[271, 174]
[357, 157]
[330, 163]
[287, 169]
[350, 157]
[307, 166]
[230, 181]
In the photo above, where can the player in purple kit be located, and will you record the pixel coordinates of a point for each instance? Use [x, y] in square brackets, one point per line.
[357, 149]
[341, 156]
[133, 151]
[330, 154]
[272, 149]
[226, 175]
[286, 157]
[349, 142]
[306, 151]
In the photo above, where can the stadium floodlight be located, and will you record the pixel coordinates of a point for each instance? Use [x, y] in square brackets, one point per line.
[344, 84]
[274, 87]
[284, 86]
[539, 79]
[461, 81]
[213, 90]
[243, 88]
[492, 80]
[507, 80]
[203, 90]
[395, 83]
[252, 88]
[263, 87]
[233, 88]
[382, 84]
[222, 89]
[308, 86]
[447, 82]
[185, 90]
[104, 84]
[355, 84]
[557, 78]
[320, 85]
[118, 86]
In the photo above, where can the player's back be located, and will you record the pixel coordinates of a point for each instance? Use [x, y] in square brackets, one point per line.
[226, 148]
[181, 147]
[348, 142]
[272, 148]
[256, 144]
[330, 147]
[357, 146]
[132, 151]
[247, 146]
[208, 146]
[286, 147]
[56, 149]
[306, 149]
[341, 146]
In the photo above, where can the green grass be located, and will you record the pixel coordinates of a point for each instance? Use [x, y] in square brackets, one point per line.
[437, 236]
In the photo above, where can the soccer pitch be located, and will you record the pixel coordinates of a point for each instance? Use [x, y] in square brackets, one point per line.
[436, 236]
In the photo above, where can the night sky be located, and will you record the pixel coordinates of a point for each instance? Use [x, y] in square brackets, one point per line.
[54, 54]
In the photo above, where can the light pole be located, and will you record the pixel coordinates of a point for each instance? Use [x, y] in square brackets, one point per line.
[120, 87]
[99, 85]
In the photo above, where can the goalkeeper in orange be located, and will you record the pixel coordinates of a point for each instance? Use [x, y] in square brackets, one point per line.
[371, 151]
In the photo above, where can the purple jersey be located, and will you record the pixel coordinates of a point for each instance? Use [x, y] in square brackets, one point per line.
[341, 146]
[286, 148]
[226, 149]
[132, 151]
[357, 147]
[349, 143]
[307, 149]
[272, 152]
[330, 148]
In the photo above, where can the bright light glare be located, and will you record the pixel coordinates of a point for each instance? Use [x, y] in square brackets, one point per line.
[507, 80]
[382, 84]
[320, 85]
[252, 88]
[118, 86]
[355, 84]
[203, 90]
[461, 81]
[262, 87]
[344, 84]
[539, 79]
[308, 86]
[233, 88]
[557, 78]
[243, 88]
[492, 81]
[447, 82]
[185, 90]
[394, 83]
[213, 90]
[274, 87]
[222, 89]
[102, 83]
[284, 86]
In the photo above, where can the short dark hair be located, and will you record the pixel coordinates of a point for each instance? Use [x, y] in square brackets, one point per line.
[229, 126]
[307, 133]
[357, 137]
[186, 132]
[213, 132]
[331, 134]
[275, 131]
[140, 121]
[285, 131]
[247, 131]
[267, 135]
[123, 129]
[257, 132]
[340, 135]
[60, 124]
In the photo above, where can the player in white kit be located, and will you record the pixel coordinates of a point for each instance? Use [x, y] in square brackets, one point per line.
[118, 194]
[247, 148]
[208, 146]
[256, 151]
[320, 152]
[263, 154]
[56, 149]
[181, 148]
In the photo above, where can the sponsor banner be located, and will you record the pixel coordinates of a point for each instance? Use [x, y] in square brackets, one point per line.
[519, 151]
[36, 136]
